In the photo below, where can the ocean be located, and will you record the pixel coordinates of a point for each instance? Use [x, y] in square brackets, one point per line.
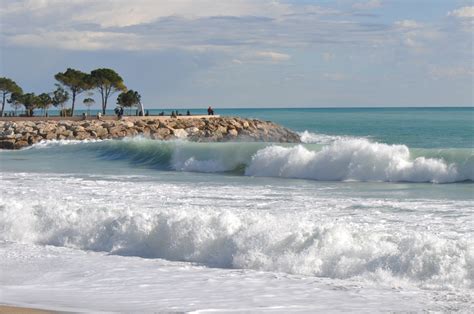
[373, 212]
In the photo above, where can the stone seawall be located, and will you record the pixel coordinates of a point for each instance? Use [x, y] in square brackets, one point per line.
[19, 134]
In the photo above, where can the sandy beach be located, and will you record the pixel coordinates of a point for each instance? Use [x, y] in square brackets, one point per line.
[7, 309]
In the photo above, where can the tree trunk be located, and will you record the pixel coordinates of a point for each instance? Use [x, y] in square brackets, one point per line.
[73, 102]
[3, 105]
[104, 105]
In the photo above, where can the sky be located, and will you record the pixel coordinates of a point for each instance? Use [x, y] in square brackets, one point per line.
[250, 53]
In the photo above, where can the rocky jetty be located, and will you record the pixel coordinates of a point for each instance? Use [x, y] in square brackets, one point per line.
[19, 134]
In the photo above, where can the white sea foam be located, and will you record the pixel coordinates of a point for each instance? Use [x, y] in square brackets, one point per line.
[318, 138]
[342, 160]
[359, 160]
[57, 143]
[155, 221]
[98, 282]
[227, 240]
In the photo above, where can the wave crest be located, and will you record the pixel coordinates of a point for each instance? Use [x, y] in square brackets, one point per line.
[317, 138]
[359, 160]
[248, 241]
[343, 160]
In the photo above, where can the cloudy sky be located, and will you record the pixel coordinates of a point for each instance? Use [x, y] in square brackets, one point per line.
[250, 53]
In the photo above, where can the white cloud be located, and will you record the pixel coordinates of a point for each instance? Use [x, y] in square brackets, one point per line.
[157, 24]
[237, 28]
[85, 41]
[465, 17]
[125, 12]
[464, 12]
[367, 5]
[415, 35]
[119, 13]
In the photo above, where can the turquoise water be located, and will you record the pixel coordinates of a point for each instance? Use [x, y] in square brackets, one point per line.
[340, 144]
[414, 127]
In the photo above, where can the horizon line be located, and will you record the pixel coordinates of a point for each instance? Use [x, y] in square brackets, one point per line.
[336, 107]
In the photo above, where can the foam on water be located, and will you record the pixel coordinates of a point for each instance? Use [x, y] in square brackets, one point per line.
[45, 144]
[98, 282]
[342, 160]
[101, 216]
[250, 239]
[262, 243]
[317, 138]
[358, 160]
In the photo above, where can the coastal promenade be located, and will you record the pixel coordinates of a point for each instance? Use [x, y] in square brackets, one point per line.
[105, 118]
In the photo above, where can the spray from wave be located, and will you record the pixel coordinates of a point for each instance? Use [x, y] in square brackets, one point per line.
[318, 138]
[358, 160]
[343, 160]
[250, 240]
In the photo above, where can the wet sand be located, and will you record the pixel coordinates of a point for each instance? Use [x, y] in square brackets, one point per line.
[7, 309]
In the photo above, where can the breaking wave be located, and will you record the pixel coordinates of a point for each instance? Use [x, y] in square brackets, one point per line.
[358, 160]
[250, 240]
[342, 160]
[318, 138]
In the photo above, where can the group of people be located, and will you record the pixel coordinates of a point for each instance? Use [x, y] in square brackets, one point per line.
[174, 114]
[119, 112]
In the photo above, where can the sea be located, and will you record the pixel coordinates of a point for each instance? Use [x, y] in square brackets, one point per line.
[372, 212]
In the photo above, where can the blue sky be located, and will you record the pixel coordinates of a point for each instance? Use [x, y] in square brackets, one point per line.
[250, 53]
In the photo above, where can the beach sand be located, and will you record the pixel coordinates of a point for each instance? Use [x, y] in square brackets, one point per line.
[6, 309]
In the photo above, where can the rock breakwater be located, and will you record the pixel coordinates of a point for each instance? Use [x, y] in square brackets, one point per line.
[19, 134]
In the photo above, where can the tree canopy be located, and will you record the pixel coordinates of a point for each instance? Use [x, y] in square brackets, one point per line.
[8, 86]
[107, 82]
[60, 96]
[30, 101]
[15, 101]
[70, 84]
[77, 82]
[44, 101]
[129, 98]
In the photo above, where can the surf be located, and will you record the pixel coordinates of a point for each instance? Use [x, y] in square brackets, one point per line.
[342, 159]
[216, 234]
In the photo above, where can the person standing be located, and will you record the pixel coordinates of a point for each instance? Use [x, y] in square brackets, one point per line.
[210, 111]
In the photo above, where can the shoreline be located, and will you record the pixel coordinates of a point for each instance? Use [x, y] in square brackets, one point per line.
[14, 309]
[26, 131]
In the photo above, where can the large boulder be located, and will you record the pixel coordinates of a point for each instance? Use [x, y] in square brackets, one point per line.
[180, 133]
[7, 144]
